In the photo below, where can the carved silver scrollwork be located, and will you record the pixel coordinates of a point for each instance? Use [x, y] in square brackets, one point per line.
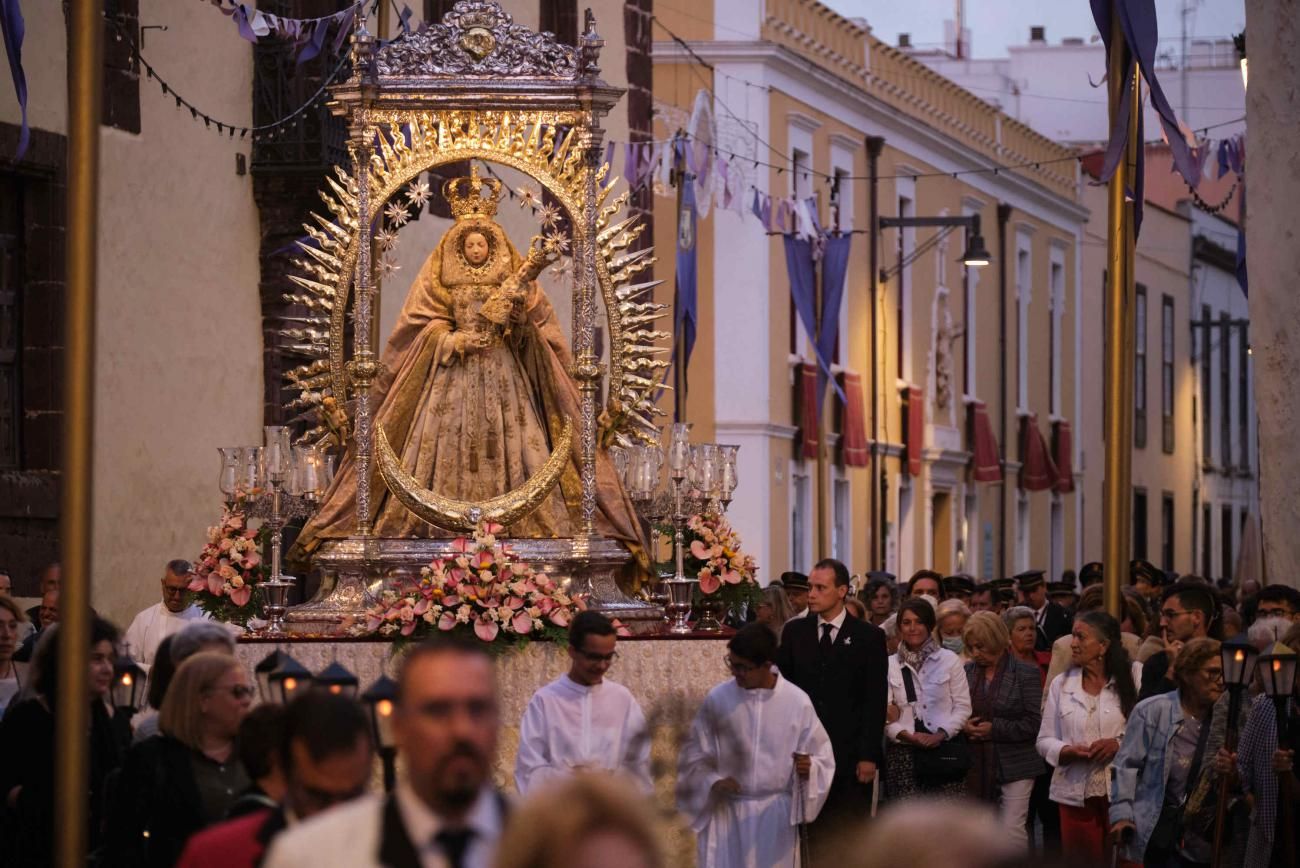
[478, 38]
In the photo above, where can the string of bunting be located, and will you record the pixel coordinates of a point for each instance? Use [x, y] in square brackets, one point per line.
[307, 35]
[259, 132]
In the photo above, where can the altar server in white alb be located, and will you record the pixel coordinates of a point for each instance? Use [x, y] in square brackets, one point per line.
[163, 619]
[581, 720]
[756, 764]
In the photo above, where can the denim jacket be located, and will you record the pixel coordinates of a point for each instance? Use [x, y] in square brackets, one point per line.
[1141, 768]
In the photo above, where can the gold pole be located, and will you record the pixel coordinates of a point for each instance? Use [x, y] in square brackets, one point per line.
[72, 713]
[1117, 494]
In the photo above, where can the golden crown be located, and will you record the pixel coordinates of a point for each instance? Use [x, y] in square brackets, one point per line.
[465, 196]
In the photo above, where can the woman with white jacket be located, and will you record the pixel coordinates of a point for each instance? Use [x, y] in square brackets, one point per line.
[1083, 722]
[935, 711]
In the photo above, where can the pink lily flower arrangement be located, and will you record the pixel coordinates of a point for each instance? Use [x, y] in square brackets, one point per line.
[481, 587]
[715, 557]
[230, 567]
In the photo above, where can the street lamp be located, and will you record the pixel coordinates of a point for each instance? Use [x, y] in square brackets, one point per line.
[1238, 665]
[976, 254]
[128, 688]
[381, 700]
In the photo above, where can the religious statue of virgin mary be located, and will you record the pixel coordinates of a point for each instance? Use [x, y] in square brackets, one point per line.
[475, 390]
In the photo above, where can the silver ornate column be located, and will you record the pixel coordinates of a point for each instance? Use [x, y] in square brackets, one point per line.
[363, 368]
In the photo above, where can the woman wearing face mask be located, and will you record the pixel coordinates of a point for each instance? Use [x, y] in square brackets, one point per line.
[1006, 698]
[1083, 723]
[951, 619]
[931, 703]
[27, 747]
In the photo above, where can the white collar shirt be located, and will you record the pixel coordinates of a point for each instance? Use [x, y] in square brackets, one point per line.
[422, 825]
[836, 623]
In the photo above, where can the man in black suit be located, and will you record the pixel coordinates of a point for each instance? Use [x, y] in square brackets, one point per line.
[842, 664]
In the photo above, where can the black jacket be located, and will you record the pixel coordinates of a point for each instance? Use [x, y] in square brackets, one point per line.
[155, 806]
[848, 688]
[1056, 623]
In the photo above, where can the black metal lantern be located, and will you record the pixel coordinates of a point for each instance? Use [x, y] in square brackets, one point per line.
[1238, 661]
[262, 671]
[129, 684]
[337, 680]
[288, 680]
[381, 701]
[1277, 671]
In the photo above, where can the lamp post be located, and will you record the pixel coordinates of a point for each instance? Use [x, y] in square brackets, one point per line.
[1277, 669]
[976, 254]
[381, 701]
[1238, 665]
[129, 680]
[337, 679]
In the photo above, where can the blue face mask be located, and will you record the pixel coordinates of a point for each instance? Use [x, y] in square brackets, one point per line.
[953, 644]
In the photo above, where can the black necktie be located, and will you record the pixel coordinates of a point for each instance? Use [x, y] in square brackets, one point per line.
[826, 639]
[454, 843]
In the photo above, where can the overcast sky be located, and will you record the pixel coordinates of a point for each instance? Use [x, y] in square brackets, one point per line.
[995, 24]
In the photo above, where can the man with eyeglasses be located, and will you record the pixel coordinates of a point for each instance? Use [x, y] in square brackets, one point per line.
[1188, 610]
[756, 764]
[325, 755]
[164, 618]
[581, 720]
[445, 810]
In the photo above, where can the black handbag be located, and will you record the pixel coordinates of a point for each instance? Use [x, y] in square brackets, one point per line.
[948, 762]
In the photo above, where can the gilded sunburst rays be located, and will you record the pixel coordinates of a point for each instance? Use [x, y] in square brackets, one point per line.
[543, 145]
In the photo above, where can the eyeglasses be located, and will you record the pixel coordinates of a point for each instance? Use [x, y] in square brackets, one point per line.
[737, 668]
[238, 691]
[1273, 612]
[1170, 614]
[175, 592]
[1215, 674]
[597, 658]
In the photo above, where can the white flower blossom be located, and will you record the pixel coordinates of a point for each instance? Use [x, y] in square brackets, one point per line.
[418, 193]
[528, 197]
[397, 214]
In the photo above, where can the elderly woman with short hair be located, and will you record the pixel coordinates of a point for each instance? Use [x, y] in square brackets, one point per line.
[950, 620]
[1023, 629]
[1159, 761]
[1006, 701]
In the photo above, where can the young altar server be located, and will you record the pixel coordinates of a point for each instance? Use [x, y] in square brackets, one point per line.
[581, 721]
[756, 764]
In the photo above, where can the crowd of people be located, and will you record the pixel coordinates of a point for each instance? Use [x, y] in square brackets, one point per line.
[865, 721]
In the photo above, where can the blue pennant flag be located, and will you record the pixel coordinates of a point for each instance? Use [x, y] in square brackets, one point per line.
[685, 300]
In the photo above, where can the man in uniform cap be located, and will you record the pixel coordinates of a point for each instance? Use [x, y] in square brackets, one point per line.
[1090, 573]
[925, 582]
[958, 587]
[796, 591]
[1004, 594]
[984, 598]
[1063, 593]
[1146, 579]
[1051, 619]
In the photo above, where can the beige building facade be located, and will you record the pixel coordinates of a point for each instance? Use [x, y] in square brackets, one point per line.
[797, 88]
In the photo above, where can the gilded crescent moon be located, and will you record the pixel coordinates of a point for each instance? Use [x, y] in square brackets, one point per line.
[460, 515]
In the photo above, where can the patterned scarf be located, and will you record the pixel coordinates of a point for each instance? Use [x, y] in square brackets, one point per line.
[914, 659]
